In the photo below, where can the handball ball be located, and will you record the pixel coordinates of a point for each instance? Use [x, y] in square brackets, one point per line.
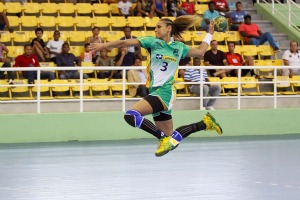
[221, 23]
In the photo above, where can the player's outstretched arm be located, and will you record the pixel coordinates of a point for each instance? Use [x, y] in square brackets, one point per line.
[115, 44]
[202, 48]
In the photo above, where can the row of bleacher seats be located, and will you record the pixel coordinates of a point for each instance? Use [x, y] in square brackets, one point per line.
[102, 88]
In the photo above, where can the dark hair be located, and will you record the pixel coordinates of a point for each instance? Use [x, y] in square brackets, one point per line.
[86, 45]
[213, 41]
[238, 3]
[39, 29]
[196, 58]
[64, 44]
[247, 16]
[231, 43]
[56, 31]
[27, 45]
[126, 27]
[211, 3]
[294, 41]
[96, 28]
[184, 61]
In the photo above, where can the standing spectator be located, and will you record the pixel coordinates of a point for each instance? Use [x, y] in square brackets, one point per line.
[254, 36]
[105, 60]
[124, 58]
[132, 49]
[160, 8]
[215, 57]
[188, 8]
[6, 64]
[209, 15]
[291, 57]
[195, 75]
[4, 23]
[39, 47]
[237, 17]
[222, 7]
[137, 76]
[30, 60]
[66, 59]
[145, 8]
[125, 8]
[95, 38]
[87, 55]
[54, 46]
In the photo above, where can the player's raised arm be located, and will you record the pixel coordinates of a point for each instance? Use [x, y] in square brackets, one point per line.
[115, 44]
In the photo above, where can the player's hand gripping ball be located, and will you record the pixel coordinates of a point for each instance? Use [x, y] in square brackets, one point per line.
[221, 23]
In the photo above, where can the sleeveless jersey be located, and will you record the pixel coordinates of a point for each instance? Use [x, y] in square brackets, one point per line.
[164, 59]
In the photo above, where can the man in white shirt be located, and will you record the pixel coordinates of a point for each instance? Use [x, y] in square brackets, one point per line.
[55, 46]
[125, 8]
[291, 57]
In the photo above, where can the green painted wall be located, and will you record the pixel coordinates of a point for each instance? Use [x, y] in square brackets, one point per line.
[111, 126]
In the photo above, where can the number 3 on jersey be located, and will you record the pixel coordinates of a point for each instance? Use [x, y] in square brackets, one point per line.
[164, 67]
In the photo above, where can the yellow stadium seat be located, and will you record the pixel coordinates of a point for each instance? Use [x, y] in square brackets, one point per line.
[89, 71]
[265, 50]
[5, 37]
[117, 22]
[143, 33]
[66, 9]
[61, 89]
[20, 92]
[182, 89]
[277, 62]
[47, 22]
[113, 35]
[101, 9]
[249, 50]
[229, 85]
[65, 23]
[101, 22]
[223, 48]
[144, 52]
[295, 83]
[168, 17]
[233, 36]
[13, 8]
[136, 33]
[248, 83]
[198, 36]
[14, 51]
[113, 52]
[75, 89]
[77, 50]
[201, 8]
[238, 49]
[151, 23]
[117, 89]
[283, 82]
[28, 23]
[5, 92]
[100, 88]
[187, 37]
[45, 92]
[77, 37]
[219, 36]
[20, 37]
[267, 72]
[83, 23]
[2, 7]
[49, 9]
[31, 9]
[136, 22]
[14, 22]
[83, 9]
[114, 10]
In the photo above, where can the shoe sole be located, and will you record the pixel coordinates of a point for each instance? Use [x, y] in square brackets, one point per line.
[215, 122]
[164, 153]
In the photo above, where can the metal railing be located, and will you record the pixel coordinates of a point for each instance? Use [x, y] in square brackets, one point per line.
[124, 82]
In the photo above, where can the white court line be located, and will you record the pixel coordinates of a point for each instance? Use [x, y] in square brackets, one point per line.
[273, 184]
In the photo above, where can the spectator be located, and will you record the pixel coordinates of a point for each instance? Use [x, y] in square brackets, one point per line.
[145, 8]
[188, 8]
[237, 17]
[39, 47]
[132, 49]
[253, 35]
[215, 57]
[222, 7]
[87, 55]
[66, 59]
[4, 23]
[137, 76]
[6, 64]
[124, 58]
[187, 61]
[125, 8]
[195, 75]
[209, 15]
[173, 6]
[95, 38]
[105, 60]
[160, 8]
[291, 57]
[30, 60]
[54, 46]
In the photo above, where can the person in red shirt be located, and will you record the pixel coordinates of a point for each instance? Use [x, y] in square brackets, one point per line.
[30, 60]
[253, 35]
[188, 7]
[222, 7]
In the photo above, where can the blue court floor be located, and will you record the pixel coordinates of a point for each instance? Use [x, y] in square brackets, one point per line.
[221, 168]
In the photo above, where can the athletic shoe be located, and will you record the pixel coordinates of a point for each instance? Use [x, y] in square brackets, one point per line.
[212, 124]
[165, 145]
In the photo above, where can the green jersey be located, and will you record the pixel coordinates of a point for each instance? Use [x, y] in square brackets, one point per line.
[164, 59]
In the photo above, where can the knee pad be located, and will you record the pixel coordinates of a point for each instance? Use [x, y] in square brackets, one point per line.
[134, 118]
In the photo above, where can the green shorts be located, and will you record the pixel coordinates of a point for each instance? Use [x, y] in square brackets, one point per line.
[167, 96]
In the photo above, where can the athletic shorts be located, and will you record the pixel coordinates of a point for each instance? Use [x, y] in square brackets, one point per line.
[167, 95]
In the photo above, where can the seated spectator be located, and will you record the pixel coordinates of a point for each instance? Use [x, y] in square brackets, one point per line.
[132, 49]
[105, 60]
[173, 6]
[145, 8]
[196, 75]
[215, 57]
[124, 58]
[137, 76]
[66, 59]
[237, 17]
[95, 38]
[253, 35]
[39, 47]
[222, 7]
[160, 8]
[187, 61]
[4, 23]
[188, 8]
[54, 46]
[6, 64]
[87, 55]
[291, 57]
[30, 60]
[209, 15]
[125, 8]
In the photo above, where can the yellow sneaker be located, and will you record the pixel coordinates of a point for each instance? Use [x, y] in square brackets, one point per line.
[165, 145]
[212, 124]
